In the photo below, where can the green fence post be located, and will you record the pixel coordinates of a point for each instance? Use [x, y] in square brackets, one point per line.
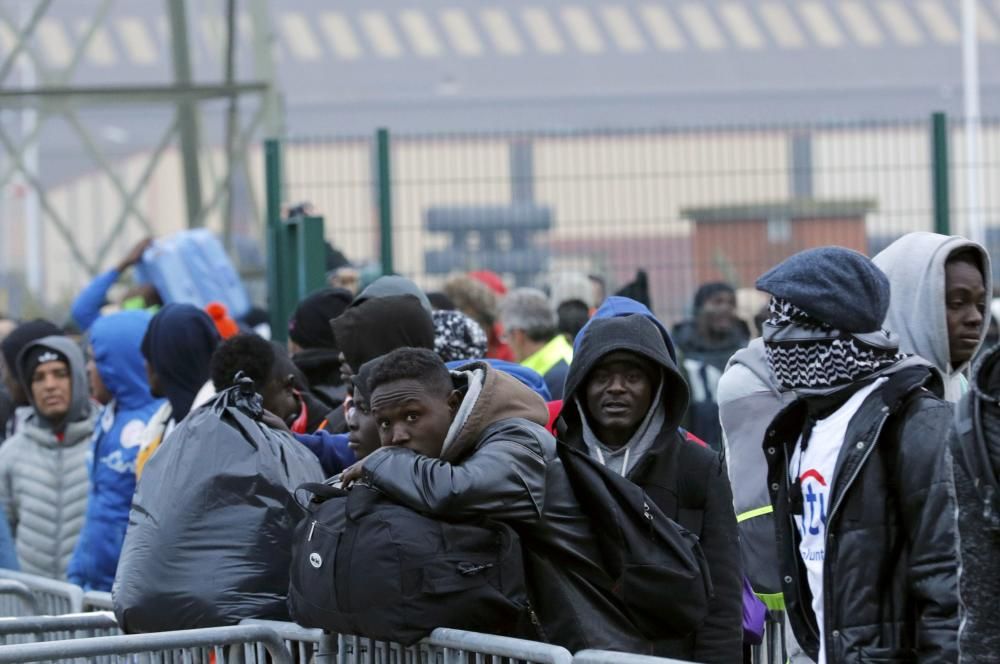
[940, 173]
[310, 256]
[276, 301]
[384, 198]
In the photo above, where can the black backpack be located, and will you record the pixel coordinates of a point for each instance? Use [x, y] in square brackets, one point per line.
[362, 564]
[657, 568]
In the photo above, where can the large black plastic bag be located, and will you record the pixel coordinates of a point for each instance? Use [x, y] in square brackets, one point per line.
[210, 530]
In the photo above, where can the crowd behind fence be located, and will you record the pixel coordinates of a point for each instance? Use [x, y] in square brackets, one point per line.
[29, 635]
[688, 205]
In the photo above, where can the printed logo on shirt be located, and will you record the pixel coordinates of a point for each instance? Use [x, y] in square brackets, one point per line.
[813, 521]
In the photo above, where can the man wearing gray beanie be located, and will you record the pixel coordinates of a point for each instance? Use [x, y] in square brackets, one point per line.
[857, 470]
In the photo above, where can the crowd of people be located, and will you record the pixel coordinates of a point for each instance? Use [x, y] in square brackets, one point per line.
[837, 457]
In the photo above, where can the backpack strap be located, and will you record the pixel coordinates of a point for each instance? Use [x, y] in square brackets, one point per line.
[693, 466]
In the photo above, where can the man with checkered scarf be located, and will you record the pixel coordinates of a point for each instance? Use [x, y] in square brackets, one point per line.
[857, 470]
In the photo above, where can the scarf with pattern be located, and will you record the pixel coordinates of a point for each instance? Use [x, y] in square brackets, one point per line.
[805, 353]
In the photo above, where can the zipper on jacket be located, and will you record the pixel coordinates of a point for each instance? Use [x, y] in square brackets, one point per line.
[827, 606]
[312, 529]
[59, 511]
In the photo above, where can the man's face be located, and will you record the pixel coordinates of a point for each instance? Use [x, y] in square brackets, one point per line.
[52, 389]
[155, 389]
[362, 434]
[98, 389]
[719, 311]
[518, 342]
[619, 392]
[13, 385]
[411, 415]
[965, 306]
[279, 398]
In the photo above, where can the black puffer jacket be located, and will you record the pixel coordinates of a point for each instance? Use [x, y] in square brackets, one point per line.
[890, 571]
[503, 464]
[687, 481]
[975, 448]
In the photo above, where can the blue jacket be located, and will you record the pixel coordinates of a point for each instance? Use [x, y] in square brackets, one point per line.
[87, 306]
[115, 339]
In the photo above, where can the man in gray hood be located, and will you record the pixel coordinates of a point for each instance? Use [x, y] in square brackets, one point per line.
[939, 307]
[43, 467]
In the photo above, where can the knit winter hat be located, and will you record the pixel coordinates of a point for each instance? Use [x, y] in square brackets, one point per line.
[36, 355]
[219, 313]
[309, 326]
[835, 285]
[457, 337]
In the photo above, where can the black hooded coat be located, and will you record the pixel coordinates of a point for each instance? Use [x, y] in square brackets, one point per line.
[687, 481]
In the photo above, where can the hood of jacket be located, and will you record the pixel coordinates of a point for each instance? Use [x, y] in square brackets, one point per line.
[376, 326]
[179, 344]
[915, 265]
[392, 285]
[490, 395]
[691, 342]
[117, 341]
[528, 377]
[636, 334]
[80, 407]
[617, 306]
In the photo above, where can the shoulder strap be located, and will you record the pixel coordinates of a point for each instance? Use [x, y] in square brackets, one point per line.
[692, 469]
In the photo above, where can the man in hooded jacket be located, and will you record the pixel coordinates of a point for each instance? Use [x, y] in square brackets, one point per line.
[624, 399]
[939, 307]
[178, 348]
[488, 454]
[975, 448]
[857, 470]
[115, 341]
[43, 467]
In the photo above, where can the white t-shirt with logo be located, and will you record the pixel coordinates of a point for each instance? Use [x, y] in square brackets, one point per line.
[815, 469]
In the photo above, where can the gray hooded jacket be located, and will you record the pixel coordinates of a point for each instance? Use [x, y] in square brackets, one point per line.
[43, 480]
[915, 265]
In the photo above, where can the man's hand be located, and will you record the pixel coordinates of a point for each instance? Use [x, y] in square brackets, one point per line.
[352, 474]
[135, 255]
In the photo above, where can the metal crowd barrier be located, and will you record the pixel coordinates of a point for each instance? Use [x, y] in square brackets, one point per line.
[32, 629]
[16, 599]
[53, 598]
[609, 657]
[456, 647]
[94, 600]
[443, 646]
[305, 645]
[245, 642]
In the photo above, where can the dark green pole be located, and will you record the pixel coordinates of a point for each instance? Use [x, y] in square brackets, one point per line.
[272, 232]
[384, 198]
[939, 165]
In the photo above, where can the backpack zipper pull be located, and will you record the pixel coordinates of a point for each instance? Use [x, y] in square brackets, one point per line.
[311, 529]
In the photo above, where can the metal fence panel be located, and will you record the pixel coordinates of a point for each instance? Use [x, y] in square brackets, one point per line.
[53, 597]
[688, 205]
[305, 644]
[218, 644]
[609, 657]
[95, 600]
[16, 599]
[32, 629]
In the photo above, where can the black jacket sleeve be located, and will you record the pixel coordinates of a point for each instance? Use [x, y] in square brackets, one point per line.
[928, 511]
[720, 638]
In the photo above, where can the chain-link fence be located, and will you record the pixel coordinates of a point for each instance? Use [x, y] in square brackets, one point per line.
[686, 205]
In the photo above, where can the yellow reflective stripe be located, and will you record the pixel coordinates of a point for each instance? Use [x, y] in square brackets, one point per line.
[773, 601]
[750, 514]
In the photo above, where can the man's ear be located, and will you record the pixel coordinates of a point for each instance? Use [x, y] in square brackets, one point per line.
[454, 401]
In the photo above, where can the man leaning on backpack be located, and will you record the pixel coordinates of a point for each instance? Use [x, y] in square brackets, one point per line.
[473, 444]
[857, 470]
